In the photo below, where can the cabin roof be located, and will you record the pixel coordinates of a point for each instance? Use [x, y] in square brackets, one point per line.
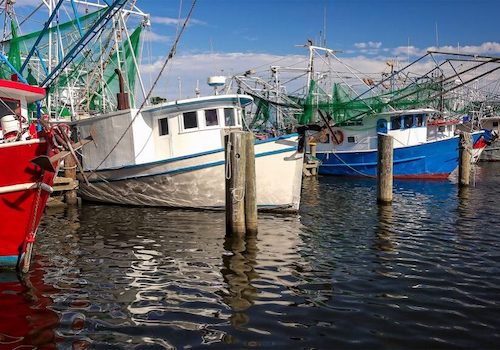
[15, 89]
[408, 111]
[203, 102]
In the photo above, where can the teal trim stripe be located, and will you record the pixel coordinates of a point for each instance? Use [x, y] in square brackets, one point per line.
[194, 167]
[194, 155]
[8, 260]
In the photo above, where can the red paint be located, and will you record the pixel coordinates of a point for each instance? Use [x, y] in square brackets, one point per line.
[28, 320]
[480, 143]
[441, 122]
[20, 212]
[21, 87]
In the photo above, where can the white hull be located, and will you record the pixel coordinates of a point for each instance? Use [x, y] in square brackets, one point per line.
[491, 153]
[198, 181]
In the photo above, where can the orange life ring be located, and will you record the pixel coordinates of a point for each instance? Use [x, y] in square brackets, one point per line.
[338, 136]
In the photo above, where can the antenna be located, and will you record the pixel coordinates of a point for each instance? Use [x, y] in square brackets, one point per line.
[180, 86]
[324, 26]
[437, 37]
[408, 50]
[197, 89]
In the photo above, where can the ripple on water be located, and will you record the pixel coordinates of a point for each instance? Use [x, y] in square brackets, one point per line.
[345, 273]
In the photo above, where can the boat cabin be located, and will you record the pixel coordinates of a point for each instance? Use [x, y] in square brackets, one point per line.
[407, 127]
[14, 100]
[169, 130]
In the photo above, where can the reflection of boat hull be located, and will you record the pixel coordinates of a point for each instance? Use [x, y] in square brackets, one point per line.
[197, 181]
[24, 190]
[28, 321]
[432, 160]
[491, 153]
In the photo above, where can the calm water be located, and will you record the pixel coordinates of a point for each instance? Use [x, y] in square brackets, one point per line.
[344, 273]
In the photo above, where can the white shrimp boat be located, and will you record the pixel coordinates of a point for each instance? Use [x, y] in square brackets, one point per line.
[172, 155]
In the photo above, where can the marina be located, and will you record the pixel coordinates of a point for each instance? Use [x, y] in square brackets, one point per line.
[333, 198]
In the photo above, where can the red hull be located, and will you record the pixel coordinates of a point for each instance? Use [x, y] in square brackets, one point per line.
[21, 209]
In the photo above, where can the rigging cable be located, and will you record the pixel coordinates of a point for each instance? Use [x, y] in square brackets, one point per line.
[170, 56]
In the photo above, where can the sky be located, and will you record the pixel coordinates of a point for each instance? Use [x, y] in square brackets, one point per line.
[227, 37]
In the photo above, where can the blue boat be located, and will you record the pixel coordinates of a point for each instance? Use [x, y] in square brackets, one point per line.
[425, 145]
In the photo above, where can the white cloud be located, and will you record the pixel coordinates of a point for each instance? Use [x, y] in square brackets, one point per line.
[155, 37]
[193, 68]
[484, 48]
[408, 50]
[174, 21]
[368, 45]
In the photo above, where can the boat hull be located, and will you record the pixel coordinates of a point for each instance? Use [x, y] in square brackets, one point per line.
[431, 160]
[491, 153]
[24, 190]
[198, 180]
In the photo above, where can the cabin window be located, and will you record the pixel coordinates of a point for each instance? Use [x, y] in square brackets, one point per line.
[419, 119]
[211, 118]
[190, 120]
[8, 107]
[395, 123]
[408, 121]
[495, 124]
[163, 126]
[229, 116]
[351, 139]
[441, 128]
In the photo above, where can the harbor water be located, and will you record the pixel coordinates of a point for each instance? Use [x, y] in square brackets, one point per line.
[344, 273]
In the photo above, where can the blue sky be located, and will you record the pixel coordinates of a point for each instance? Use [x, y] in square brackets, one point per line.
[275, 26]
[231, 36]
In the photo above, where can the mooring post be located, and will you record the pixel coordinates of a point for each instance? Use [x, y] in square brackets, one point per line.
[464, 161]
[384, 168]
[313, 147]
[70, 196]
[235, 182]
[251, 185]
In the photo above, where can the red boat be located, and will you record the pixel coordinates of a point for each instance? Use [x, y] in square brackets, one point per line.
[24, 185]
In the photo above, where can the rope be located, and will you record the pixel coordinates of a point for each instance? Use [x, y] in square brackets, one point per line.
[350, 167]
[170, 56]
[30, 240]
[237, 199]
[228, 157]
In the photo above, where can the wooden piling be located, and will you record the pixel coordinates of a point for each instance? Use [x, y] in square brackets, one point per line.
[70, 196]
[235, 182]
[384, 168]
[313, 148]
[251, 185]
[465, 159]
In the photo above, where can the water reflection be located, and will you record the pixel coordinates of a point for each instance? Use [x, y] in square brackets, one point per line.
[27, 320]
[345, 273]
[238, 272]
[385, 231]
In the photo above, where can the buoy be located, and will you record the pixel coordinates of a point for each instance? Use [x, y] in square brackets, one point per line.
[10, 126]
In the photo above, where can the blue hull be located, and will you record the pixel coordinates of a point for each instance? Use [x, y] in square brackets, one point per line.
[429, 160]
